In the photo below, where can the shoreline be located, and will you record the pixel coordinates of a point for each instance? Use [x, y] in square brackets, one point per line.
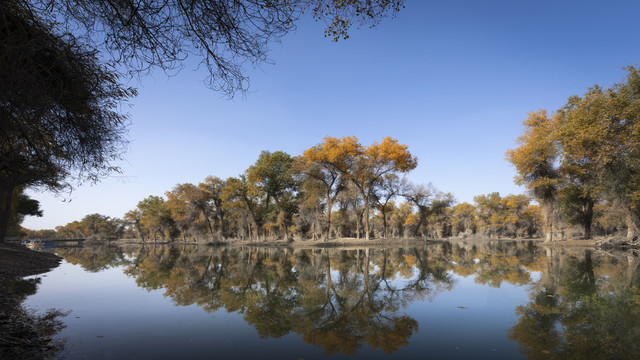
[333, 243]
[20, 261]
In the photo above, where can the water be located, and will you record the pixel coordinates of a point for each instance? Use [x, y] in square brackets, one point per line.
[449, 300]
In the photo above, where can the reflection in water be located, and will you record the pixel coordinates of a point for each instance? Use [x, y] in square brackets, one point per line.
[335, 299]
[584, 307]
[582, 304]
[23, 333]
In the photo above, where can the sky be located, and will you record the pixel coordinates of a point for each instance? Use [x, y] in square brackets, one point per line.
[451, 79]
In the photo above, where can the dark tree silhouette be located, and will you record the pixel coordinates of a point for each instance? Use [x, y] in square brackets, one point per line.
[59, 108]
[224, 35]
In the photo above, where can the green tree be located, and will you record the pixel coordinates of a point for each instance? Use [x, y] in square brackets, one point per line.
[156, 217]
[193, 206]
[273, 175]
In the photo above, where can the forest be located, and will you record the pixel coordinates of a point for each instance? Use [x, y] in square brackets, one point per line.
[335, 189]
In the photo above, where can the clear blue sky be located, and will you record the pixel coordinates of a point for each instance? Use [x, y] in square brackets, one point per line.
[451, 79]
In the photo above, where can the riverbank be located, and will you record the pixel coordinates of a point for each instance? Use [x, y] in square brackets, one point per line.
[320, 243]
[19, 261]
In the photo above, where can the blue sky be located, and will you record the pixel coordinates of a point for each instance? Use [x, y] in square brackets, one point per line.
[451, 79]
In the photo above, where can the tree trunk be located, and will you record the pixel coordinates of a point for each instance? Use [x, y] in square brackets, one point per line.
[384, 222]
[357, 223]
[6, 197]
[329, 205]
[209, 226]
[548, 223]
[285, 229]
[420, 223]
[365, 217]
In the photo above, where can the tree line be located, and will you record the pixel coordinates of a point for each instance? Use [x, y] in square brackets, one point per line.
[336, 189]
[340, 188]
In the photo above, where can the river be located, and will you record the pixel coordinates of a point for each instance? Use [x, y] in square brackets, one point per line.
[442, 300]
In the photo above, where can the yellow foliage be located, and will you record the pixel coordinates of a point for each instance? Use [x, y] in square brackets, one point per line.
[535, 156]
[411, 220]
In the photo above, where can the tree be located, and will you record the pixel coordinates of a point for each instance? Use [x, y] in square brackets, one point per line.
[241, 198]
[623, 175]
[440, 214]
[213, 187]
[464, 219]
[21, 206]
[390, 187]
[308, 221]
[59, 114]
[191, 205]
[98, 225]
[350, 199]
[505, 216]
[601, 148]
[588, 151]
[367, 166]
[582, 138]
[421, 197]
[323, 163]
[535, 160]
[223, 34]
[273, 175]
[134, 219]
[402, 217]
[156, 217]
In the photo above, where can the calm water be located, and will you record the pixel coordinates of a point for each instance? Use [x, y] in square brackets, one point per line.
[494, 300]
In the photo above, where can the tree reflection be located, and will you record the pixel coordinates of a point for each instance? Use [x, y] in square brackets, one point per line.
[496, 262]
[25, 334]
[339, 300]
[92, 259]
[585, 306]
